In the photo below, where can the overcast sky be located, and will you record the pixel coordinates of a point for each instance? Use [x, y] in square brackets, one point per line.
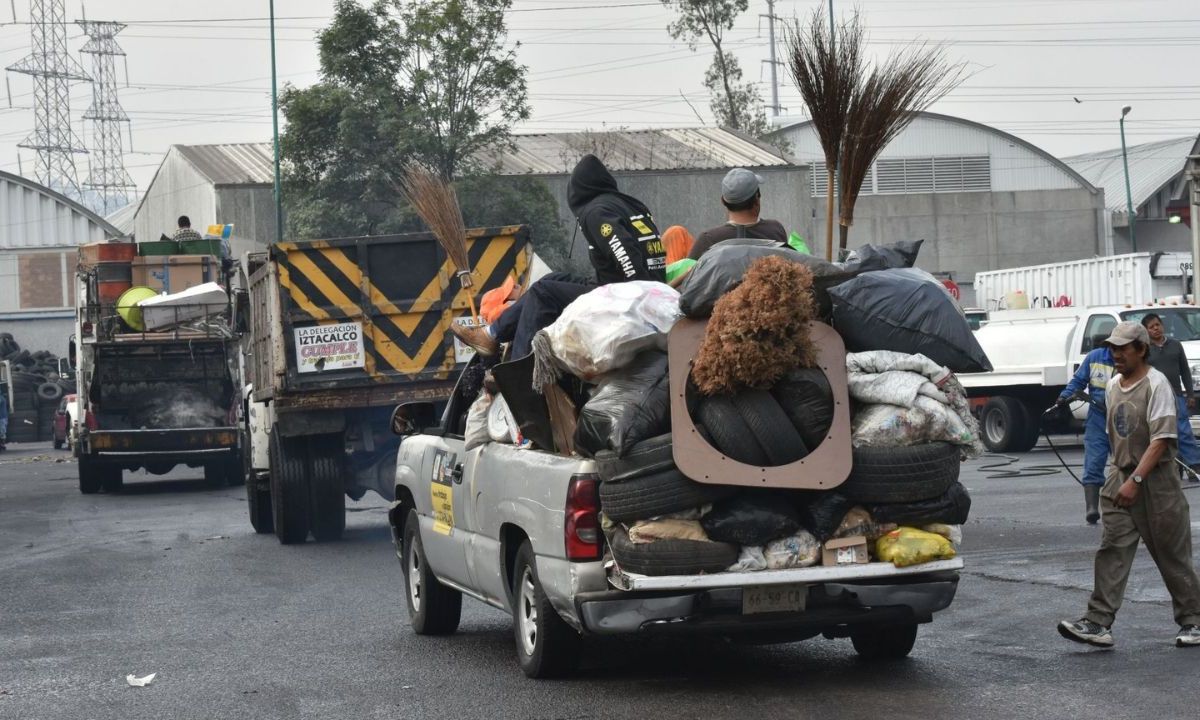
[200, 72]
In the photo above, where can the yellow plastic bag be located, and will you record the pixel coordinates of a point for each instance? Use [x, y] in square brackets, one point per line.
[909, 546]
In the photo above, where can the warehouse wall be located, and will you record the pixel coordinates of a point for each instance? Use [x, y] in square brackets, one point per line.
[251, 209]
[1153, 236]
[41, 331]
[177, 189]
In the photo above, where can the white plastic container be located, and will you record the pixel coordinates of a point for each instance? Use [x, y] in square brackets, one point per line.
[165, 311]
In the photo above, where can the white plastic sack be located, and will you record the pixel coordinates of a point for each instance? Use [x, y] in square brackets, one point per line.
[750, 559]
[925, 421]
[604, 329]
[796, 551]
[476, 432]
[501, 426]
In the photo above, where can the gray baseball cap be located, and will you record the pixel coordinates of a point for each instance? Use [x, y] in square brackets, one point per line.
[1126, 332]
[739, 185]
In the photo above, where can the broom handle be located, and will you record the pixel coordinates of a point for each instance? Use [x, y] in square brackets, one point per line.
[464, 279]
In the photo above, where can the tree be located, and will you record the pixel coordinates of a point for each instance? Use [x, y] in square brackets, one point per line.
[734, 103]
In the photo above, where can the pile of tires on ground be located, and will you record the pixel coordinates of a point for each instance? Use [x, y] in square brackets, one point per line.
[756, 395]
[37, 389]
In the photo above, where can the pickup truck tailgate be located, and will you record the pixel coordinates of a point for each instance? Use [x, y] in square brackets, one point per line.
[871, 571]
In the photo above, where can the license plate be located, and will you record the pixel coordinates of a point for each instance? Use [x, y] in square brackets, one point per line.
[774, 598]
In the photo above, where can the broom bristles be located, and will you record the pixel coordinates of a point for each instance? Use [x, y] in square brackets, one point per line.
[435, 201]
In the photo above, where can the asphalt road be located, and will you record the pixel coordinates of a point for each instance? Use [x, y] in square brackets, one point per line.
[168, 578]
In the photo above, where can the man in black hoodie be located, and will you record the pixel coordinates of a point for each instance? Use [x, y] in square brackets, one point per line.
[623, 245]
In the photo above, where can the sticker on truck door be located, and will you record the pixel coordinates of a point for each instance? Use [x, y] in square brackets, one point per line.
[329, 347]
[441, 494]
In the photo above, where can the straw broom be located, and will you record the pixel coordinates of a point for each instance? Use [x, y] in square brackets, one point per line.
[436, 202]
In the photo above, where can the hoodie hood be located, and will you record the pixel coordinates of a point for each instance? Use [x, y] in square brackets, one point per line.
[589, 180]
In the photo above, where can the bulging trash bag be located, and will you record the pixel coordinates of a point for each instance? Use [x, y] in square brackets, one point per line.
[501, 425]
[722, 269]
[794, 551]
[823, 514]
[896, 310]
[909, 546]
[751, 518]
[952, 508]
[901, 254]
[630, 405]
[476, 432]
[603, 330]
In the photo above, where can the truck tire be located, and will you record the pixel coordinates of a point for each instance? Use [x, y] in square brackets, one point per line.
[433, 608]
[90, 480]
[1004, 425]
[547, 646]
[112, 478]
[662, 493]
[1033, 428]
[768, 422]
[49, 392]
[884, 642]
[729, 431]
[671, 557]
[327, 494]
[289, 489]
[902, 474]
[651, 455]
[214, 475]
[258, 499]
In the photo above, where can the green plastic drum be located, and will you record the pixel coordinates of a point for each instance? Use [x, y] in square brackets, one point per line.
[127, 305]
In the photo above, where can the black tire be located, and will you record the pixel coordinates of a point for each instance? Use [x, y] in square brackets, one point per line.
[902, 474]
[214, 475]
[258, 499]
[807, 398]
[662, 493]
[1033, 428]
[433, 608]
[768, 422]
[671, 557]
[729, 431]
[90, 477]
[650, 456]
[49, 392]
[289, 489]
[112, 478]
[327, 495]
[884, 642]
[1004, 425]
[547, 647]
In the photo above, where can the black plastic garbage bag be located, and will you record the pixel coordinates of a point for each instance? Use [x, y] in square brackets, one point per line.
[901, 254]
[751, 518]
[899, 310]
[952, 508]
[823, 514]
[806, 397]
[722, 269]
[630, 405]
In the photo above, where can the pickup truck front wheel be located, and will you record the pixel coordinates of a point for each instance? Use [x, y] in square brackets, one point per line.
[546, 646]
[433, 608]
[884, 643]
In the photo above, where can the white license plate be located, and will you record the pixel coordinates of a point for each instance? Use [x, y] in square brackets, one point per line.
[774, 598]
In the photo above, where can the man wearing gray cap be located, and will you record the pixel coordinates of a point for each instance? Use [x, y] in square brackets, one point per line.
[1142, 498]
[742, 199]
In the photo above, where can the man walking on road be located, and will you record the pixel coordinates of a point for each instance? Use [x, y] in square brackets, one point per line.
[1167, 357]
[1142, 498]
[1093, 374]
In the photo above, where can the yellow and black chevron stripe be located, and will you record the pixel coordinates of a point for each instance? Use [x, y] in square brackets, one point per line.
[402, 288]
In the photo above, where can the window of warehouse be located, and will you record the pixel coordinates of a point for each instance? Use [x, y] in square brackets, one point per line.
[897, 176]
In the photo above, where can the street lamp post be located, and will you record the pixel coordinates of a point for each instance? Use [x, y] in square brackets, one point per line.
[275, 134]
[1128, 192]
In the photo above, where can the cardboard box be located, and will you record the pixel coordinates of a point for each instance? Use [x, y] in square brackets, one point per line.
[846, 551]
[95, 253]
[174, 273]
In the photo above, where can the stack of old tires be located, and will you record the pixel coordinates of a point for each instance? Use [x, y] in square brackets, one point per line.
[37, 389]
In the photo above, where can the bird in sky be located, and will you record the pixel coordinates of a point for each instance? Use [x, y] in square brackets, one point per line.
[1076, 99]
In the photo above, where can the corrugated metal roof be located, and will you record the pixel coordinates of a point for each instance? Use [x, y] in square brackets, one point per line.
[34, 216]
[232, 164]
[632, 150]
[1151, 166]
[123, 218]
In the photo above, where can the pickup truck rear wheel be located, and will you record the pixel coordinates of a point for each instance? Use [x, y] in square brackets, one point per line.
[289, 489]
[433, 608]
[327, 497]
[546, 645]
[884, 642]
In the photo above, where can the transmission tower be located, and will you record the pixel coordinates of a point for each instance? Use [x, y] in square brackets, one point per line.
[53, 71]
[107, 175]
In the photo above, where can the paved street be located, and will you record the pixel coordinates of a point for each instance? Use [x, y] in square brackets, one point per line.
[167, 577]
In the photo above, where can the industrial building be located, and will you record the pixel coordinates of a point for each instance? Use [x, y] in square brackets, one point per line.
[1158, 188]
[982, 199]
[40, 230]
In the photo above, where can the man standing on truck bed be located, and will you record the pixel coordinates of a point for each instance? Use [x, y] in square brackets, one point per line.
[1142, 497]
[742, 197]
[623, 244]
[185, 231]
[1167, 357]
[1093, 374]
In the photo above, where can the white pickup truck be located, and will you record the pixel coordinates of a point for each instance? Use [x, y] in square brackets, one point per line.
[1035, 352]
[519, 529]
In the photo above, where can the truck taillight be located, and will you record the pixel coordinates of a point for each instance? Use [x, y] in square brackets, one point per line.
[582, 526]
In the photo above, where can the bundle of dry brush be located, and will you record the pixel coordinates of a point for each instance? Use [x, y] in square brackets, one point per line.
[759, 330]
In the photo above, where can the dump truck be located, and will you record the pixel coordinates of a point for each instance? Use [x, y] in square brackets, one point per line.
[340, 332]
[152, 399]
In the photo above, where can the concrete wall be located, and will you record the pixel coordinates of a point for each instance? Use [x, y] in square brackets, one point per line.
[966, 233]
[41, 331]
[177, 189]
[251, 209]
[1156, 235]
[692, 198]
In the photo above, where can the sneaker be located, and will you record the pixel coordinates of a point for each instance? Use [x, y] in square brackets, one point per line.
[1189, 636]
[478, 338]
[1086, 631]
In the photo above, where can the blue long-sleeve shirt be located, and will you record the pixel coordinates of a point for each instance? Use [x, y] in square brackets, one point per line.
[1093, 374]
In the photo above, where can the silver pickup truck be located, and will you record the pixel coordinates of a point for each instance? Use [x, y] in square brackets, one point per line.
[518, 529]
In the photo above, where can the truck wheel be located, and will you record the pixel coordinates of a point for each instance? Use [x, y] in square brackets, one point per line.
[433, 608]
[884, 643]
[902, 474]
[112, 479]
[258, 500]
[90, 480]
[1004, 425]
[546, 646]
[214, 475]
[1033, 428]
[289, 489]
[327, 496]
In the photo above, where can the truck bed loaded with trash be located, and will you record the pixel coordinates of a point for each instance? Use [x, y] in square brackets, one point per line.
[710, 460]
